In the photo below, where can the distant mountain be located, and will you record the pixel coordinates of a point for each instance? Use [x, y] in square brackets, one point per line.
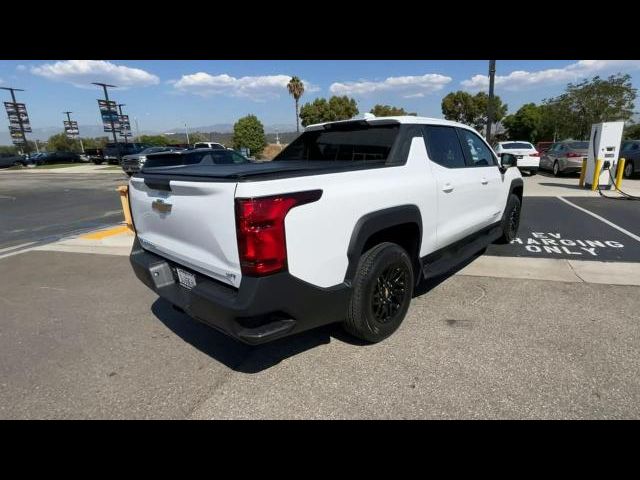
[228, 128]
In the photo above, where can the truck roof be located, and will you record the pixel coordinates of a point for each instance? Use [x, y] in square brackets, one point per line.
[408, 119]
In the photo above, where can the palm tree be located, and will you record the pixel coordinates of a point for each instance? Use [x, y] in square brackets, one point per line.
[296, 90]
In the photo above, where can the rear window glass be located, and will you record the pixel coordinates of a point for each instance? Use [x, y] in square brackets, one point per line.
[579, 145]
[359, 143]
[514, 145]
[217, 157]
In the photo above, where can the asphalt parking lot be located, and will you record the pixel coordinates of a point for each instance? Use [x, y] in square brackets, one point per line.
[80, 337]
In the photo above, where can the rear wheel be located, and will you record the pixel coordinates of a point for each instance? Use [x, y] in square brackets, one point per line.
[556, 169]
[510, 219]
[628, 169]
[382, 291]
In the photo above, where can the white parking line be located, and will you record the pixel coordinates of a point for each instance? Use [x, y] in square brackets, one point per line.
[14, 247]
[602, 219]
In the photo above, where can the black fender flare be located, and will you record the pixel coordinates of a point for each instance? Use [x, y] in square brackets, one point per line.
[516, 182]
[377, 221]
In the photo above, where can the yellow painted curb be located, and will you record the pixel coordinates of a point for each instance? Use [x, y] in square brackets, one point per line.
[105, 233]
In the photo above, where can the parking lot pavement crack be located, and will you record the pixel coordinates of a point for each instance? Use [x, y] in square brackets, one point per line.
[575, 273]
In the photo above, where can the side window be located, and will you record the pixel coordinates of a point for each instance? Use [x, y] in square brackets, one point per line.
[443, 146]
[237, 158]
[635, 146]
[476, 151]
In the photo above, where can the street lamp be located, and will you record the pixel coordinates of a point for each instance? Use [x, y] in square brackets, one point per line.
[492, 74]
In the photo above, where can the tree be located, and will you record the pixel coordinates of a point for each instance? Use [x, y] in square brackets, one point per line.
[321, 110]
[61, 143]
[524, 124]
[196, 137]
[248, 132]
[97, 142]
[471, 110]
[482, 106]
[459, 107]
[159, 140]
[632, 132]
[389, 111]
[296, 90]
[571, 114]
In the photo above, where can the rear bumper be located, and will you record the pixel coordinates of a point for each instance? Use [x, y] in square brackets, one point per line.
[261, 310]
[130, 168]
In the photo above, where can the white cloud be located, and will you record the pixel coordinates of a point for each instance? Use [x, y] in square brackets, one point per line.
[256, 88]
[81, 73]
[408, 86]
[520, 79]
[21, 68]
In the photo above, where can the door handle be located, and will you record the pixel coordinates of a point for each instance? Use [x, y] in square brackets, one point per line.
[447, 187]
[485, 181]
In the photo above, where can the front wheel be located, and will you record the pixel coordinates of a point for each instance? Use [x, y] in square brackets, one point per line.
[382, 291]
[510, 220]
[556, 169]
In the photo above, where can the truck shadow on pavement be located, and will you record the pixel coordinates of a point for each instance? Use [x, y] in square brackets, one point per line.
[254, 359]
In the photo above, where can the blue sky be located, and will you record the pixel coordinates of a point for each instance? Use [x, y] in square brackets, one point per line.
[164, 94]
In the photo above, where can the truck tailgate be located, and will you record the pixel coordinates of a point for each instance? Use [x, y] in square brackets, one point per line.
[192, 223]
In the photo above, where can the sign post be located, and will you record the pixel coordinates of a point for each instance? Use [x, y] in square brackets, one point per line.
[109, 113]
[18, 119]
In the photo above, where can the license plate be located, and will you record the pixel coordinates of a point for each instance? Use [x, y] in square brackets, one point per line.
[186, 279]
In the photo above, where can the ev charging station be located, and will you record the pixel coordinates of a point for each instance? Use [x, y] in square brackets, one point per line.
[604, 146]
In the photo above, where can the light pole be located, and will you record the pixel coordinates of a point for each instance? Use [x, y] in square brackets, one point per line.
[113, 130]
[135, 119]
[13, 97]
[492, 74]
[187, 131]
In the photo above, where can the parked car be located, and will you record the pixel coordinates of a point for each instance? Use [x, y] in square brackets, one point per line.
[565, 157]
[131, 163]
[543, 147]
[342, 226]
[528, 157]
[630, 151]
[111, 151]
[12, 159]
[47, 158]
[201, 156]
[213, 145]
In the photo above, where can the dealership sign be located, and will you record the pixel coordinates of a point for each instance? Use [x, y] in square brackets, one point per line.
[71, 129]
[110, 117]
[18, 122]
[125, 126]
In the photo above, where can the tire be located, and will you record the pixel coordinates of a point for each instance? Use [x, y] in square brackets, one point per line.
[375, 310]
[96, 162]
[129, 174]
[628, 169]
[510, 219]
[556, 169]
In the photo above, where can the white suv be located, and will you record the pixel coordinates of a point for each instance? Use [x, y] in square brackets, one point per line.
[341, 226]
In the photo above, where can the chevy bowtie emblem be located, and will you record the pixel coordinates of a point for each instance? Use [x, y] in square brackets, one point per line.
[160, 206]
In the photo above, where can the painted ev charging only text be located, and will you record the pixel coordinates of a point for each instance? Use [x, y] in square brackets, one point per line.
[553, 243]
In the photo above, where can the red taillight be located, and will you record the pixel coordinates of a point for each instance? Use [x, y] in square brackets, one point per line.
[534, 154]
[260, 226]
[573, 155]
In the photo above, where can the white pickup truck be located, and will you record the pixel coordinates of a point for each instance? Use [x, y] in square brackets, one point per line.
[341, 226]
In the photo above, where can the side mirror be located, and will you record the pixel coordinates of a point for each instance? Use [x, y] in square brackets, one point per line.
[508, 160]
